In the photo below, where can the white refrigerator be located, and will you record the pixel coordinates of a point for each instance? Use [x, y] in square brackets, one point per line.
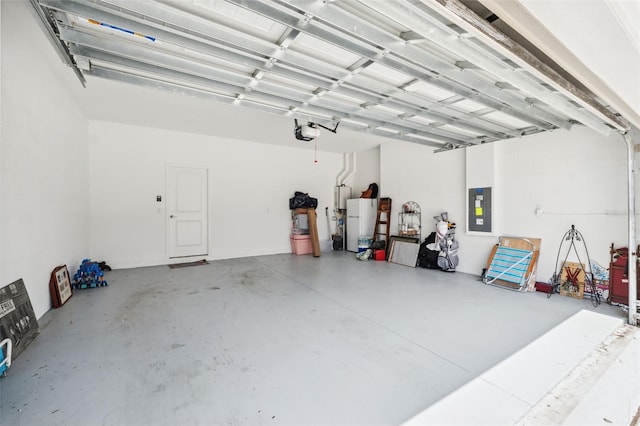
[361, 219]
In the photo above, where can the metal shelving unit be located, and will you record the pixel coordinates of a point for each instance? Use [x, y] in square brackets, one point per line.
[410, 220]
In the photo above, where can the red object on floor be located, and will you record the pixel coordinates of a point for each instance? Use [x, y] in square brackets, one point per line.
[379, 254]
[543, 287]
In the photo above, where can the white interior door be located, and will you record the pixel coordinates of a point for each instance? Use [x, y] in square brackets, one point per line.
[186, 211]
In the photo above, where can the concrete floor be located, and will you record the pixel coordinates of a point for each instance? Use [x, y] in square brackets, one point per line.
[275, 340]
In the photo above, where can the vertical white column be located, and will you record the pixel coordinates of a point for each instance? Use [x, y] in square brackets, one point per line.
[633, 255]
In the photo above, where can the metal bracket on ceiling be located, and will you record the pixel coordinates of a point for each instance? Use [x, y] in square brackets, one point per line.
[238, 99]
[412, 37]
[463, 65]
[307, 18]
[446, 147]
[48, 26]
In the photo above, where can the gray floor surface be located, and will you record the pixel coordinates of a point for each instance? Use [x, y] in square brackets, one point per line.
[270, 340]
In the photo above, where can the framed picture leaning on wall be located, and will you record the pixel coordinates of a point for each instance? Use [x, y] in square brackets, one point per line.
[60, 286]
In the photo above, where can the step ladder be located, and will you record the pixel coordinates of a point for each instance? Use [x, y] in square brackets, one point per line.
[384, 208]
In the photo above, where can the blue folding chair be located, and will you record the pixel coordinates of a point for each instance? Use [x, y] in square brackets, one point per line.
[510, 267]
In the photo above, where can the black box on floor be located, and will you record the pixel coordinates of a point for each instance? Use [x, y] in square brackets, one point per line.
[338, 242]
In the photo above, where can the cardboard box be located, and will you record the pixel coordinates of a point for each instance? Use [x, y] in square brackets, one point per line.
[301, 244]
[572, 271]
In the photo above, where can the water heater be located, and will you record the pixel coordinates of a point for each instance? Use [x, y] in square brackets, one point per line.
[341, 194]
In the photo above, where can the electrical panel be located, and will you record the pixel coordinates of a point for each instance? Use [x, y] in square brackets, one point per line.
[480, 210]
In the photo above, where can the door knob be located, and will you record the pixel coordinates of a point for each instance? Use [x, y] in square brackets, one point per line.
[172, 216]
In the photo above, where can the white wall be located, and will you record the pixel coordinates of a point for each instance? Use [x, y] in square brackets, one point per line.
[44, 193]
[412, 172]
[249, 189]
[576, 177]
[367, 171]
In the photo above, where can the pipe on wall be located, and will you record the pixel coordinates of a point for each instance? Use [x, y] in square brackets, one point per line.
[345, 168]
[352, 168]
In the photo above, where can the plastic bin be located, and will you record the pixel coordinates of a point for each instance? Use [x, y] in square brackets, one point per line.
[301, 244]
[364, 243]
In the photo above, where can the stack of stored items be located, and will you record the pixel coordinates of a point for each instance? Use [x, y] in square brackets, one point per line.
[306, 243]
[304, 232]
[300, 238]
[89, 275]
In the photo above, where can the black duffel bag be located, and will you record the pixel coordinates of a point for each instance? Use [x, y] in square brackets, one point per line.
[302, 200]
[428, 258]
